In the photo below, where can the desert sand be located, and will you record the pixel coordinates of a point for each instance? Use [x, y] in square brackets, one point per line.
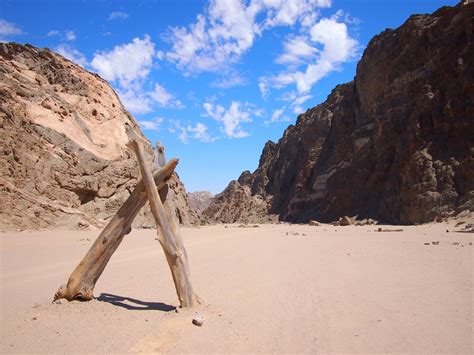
[276, 289]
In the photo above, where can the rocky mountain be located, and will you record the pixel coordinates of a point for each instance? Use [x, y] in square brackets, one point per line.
[63, 159]
[199, 200]
[396, 144]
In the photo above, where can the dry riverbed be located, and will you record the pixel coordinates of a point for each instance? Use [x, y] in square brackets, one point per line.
[271, 288]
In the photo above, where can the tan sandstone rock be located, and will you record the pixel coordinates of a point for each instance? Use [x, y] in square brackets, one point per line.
[63, 159]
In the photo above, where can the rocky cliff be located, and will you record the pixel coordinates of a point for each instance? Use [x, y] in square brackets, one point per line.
[396, 144]
[63, 159]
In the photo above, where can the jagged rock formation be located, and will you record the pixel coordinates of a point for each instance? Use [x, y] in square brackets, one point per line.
[199, 200]
[396, 144]
[237, 204]
[63, 159]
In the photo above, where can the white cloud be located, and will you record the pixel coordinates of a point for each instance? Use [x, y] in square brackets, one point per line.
[71, 36]
[284, 12]
[126, 63]
[135, 102]
[230, 119]
[9, 28]
[153, 125]
[337, 47]
[296, 51]
[228, 28]
[228, 81]
[72, 54]
[164, 98]
[118, 15]
[296, 100]
[199, 132]
[53, 33]
[67, 35]
[347, 18]
[276, 115]
[263, 87]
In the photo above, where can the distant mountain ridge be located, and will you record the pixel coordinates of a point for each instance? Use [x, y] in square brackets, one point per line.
[396, 144]
[199, 200]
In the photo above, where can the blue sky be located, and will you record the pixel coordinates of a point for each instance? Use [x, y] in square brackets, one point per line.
[213, 80]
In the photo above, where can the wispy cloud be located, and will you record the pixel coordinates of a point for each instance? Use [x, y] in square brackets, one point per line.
[128, 66]
[336, 47]
[277, 116]
[229, 81]
[227, 29]
[164, 99]
[185, 132]
[71, 35]
[53, 33]
[126, 63]
[67, 35]
[200, 132]
[152, 125]
[8, 29]
[72, 54]
[135, 101]
[118, 15]
[296, 51]
[296, 100]
[232, 118]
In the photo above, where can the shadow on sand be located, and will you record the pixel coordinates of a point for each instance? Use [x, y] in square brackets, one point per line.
[133, 304]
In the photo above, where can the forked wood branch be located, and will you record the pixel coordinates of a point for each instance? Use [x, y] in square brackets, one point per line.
[168, 233]
[82, 281]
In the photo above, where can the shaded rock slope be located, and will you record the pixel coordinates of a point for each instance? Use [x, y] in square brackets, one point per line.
[396, 144]
[63, 159]
[199, 200]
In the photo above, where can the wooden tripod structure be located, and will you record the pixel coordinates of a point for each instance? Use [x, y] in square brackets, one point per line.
[153, 187]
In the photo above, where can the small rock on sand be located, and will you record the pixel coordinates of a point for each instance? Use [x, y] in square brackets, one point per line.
[198, 320]
[313, 223]
[345, 221]
[435, 243]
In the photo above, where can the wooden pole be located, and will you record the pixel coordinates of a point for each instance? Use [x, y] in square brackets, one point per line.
[81, 283]
[168, 233]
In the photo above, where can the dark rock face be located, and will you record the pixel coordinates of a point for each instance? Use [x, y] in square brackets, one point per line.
[63, 158]
[396, 144]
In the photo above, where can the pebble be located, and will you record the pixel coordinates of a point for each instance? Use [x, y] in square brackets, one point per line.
[198, 320]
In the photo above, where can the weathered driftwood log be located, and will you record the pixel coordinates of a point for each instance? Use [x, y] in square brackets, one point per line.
[168, 233]
[81, 283]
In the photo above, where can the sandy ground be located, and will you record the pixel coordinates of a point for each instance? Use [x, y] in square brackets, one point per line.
[275, 288]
